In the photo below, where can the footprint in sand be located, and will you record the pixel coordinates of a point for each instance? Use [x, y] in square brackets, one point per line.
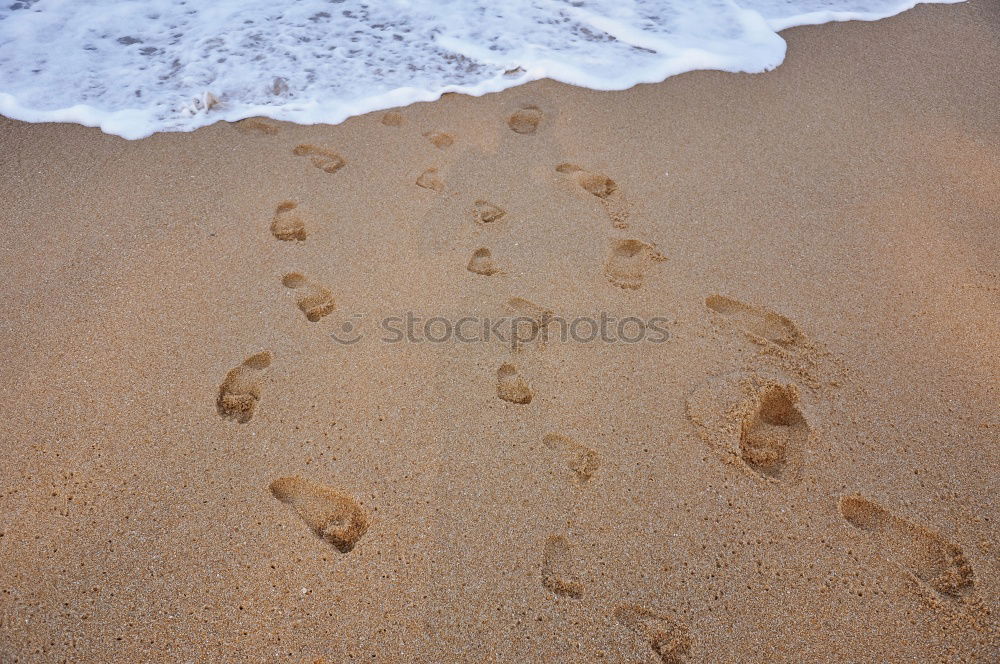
[429, 180]
[511, 386]
[753, 420]
[773, 431]
[287, 224]
[669, 638]
[540, 316]
[920, 551]
[526, 120]
[762, 325]
[482, 263]
[240, 390]
[256, 126]
[628, 262]
[393, 119]
[580, 459]
[314, 300]
[557, 568]
[605, 189]
[485, 212]
[440, 139]
[327, 160]
[335, 517]
[530, 322]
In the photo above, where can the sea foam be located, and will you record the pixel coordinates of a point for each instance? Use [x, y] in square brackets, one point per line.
[135, 67]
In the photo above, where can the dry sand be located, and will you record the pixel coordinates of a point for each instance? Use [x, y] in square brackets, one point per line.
[194, 470]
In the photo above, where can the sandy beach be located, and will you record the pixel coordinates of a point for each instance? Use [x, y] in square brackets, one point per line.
[215, 451]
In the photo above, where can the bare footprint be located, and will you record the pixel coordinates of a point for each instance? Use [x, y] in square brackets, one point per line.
[539, 315]
[530, 322]
[482, 262]
[240, 390]
[580, 459]
[773, 431]
[511, 386]
[313, 300]
[920, 551]
[628, 262]
[485, 212]
[526, 120]
[440, 139]
[753, 420]
[256, 126]
[326, 160]
[287, 224]
[759, 323]
[335, 517]
[558, 574]
[429, 180]
[669, 638]
[393, 119]
[605, 189]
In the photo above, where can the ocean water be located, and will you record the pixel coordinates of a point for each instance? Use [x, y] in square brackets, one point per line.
[135, 67]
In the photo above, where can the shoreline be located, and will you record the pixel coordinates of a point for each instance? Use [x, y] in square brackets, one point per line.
[197, 470]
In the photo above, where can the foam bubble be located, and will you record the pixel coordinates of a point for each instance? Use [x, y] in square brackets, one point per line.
[135, 67]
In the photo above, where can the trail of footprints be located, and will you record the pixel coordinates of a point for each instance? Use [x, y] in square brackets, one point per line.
[240, 389]
[754, 420]
[629, 261]
[326, 160]
[579, 459]
[313, 300]
[606, 190]
[511, 385]
[335, 517]
[666, 636]
[761, 325]
[921, 552]
[558, 568]
[482, 263]
[287, 224]
[525, 120]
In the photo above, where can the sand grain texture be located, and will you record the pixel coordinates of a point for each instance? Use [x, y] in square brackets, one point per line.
[804, 471]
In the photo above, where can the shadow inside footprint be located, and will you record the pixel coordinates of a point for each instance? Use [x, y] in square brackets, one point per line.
[628, 262]
[604, 188]
[669, 638]
[323, 159]
[920, 551]
[485, 212]
[240, 390]
[755, 420]
[333, 516]
[526, 120]
[313, 300]
[580, 459]
[482, 262]
[594, 183]
[759, 323]
[511, 386]
[773, 430]
[558, 573]
[287, 225]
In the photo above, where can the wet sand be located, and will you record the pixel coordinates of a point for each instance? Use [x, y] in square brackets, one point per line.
[195, 469]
